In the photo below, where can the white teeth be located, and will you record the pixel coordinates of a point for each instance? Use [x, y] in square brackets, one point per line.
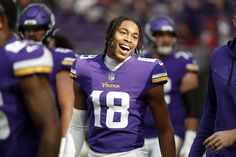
[125, 46]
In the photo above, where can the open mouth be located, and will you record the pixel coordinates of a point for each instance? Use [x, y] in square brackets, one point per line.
[124, 48]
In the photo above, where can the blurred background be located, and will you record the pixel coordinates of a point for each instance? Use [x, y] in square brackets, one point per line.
[201, 24]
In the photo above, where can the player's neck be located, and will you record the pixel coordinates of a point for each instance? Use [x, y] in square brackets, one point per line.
[112, 64]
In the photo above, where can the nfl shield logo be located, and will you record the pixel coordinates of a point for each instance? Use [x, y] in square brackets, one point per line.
[111, 77]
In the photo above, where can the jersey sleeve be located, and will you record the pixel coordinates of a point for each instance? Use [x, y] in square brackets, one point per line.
[188, 60]
[29, 59]
[64, 58]
[159, 73]
[192, 66]
[73, 70]
[79, 66]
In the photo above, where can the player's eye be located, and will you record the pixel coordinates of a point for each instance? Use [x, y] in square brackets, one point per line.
[135, 37]
[122, 32]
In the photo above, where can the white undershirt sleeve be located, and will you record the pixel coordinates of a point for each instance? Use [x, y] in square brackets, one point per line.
[76, 133]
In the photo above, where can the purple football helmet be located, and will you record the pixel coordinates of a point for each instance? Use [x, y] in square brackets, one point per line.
[162, 24]
[38, 16]
[157, 25]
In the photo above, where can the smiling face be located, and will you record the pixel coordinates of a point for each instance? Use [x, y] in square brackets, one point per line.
[124, 42]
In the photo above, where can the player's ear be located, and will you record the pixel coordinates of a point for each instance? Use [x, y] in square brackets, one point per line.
[234, 20]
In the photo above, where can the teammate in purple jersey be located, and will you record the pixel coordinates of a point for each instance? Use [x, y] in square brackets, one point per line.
[217, 130]
[29, 125]
[113, 89]
[182, 82]
[37, 23]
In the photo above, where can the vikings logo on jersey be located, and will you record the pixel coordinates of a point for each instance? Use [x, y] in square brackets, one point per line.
[115, 100]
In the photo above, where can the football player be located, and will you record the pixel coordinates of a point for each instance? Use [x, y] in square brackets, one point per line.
[111, 92]
[37, 23]
[180, 90]
[29, 125]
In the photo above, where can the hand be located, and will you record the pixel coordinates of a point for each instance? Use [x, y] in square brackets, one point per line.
[188, 141]
[220, 140]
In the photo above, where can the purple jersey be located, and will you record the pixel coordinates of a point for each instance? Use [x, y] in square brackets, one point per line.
[177, 65]
[18, 135]
[62, 60]
[220, 107]
[116, 100]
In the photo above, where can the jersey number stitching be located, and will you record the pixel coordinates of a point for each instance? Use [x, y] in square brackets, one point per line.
[121, 109]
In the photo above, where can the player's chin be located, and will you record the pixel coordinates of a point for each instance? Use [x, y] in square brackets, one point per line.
[123, 56]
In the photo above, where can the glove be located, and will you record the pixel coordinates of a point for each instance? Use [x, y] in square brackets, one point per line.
[188, 141]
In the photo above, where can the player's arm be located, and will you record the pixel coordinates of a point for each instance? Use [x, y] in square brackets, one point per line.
[160, 113]
[78, 125]
[65, 93]
[66, 97]
[188, 88]
[64, 89]
[40, 103]
[64, 86]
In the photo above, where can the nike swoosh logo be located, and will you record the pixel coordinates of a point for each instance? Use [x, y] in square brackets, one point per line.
[31, 48]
